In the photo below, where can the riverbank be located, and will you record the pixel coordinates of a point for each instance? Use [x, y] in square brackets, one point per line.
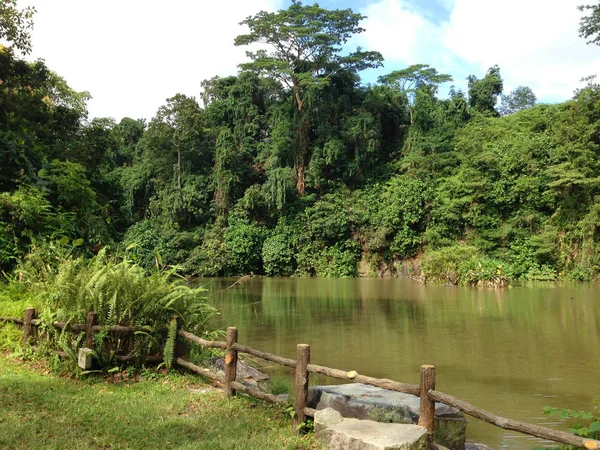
[149, 410]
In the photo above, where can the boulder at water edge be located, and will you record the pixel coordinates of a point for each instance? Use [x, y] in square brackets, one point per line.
[361, 401]
[333, 432]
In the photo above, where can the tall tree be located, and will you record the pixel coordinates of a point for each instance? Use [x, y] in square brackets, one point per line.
[413, 78]
[483, 93]
[589, 25]
[178, 127]
[305, 51]
[521, 98]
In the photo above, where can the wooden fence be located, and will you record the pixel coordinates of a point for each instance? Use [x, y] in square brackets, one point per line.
[425, 390]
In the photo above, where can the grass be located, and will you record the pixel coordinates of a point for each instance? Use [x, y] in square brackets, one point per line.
[44, 411]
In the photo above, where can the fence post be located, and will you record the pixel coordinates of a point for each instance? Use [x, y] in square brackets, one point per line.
[231, 357]
[27, 326]
[302, 361]
[427, 405]
[92, 319]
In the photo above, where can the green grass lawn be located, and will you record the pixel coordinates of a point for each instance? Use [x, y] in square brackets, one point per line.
[39, 410]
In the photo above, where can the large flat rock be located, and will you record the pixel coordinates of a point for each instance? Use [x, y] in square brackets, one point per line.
[333, 432]
[364, 402]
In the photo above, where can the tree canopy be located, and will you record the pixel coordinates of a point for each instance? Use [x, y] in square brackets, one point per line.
[589, 26]
[15, 24]
[293, 166]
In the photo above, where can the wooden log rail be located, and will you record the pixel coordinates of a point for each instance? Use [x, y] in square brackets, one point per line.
[30, 321]
[508, 424]
[425, 390]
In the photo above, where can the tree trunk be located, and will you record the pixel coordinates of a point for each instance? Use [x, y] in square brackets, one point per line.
[304, 142]
[179, 164]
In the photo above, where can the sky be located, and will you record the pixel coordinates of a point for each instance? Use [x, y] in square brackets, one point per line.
[131, 55]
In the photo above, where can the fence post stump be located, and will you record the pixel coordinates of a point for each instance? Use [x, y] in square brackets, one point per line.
[92, 319]
[427, 405]
[27, 325]
[231, 357]
[302, 361]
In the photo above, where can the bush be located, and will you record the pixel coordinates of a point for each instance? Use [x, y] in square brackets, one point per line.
[244, 243]
[586, 425]
[464, 266]
[146, 244]
[327, 220]
[121, 292]
[337, 261]
[280, 249]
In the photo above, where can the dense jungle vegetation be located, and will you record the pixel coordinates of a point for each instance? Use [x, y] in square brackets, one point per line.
[295, 167]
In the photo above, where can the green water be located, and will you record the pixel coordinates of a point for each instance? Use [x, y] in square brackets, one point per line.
[509, 351]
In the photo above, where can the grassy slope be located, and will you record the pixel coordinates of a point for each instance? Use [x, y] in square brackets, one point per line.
[42, 411]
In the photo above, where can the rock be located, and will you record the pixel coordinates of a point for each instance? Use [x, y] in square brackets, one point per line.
[472, 446]
[246, 374]
[326, 418]
[337, 433]
[360, 401]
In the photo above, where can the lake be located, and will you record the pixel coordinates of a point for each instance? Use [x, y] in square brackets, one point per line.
[510, 351]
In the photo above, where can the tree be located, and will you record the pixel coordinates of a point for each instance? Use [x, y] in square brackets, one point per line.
[589, 26]
[305, 44]
[412, 79]
[178, 126]
[15, 24]
[519, 99]
[483, 94]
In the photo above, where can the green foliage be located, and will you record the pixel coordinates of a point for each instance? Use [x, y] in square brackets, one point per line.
[464, 266]
[15, 24]
[586, 424]
[119, 291]
[244, 243]
[519, 99]
[280, 249]
[404, 214]
[484, 93]
[146, 244]
[169, 348]
[293, 167]
[589, 26]
[327, 221]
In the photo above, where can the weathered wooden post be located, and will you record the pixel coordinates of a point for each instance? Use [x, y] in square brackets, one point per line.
[92, 319]
[302, 361]
[427, 405]
[27, 325]
[231, 357]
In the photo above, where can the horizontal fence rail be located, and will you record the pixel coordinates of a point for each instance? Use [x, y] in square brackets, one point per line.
[425, 390]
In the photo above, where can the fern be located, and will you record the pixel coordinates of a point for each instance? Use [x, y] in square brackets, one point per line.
[169, 351]
[121, 293]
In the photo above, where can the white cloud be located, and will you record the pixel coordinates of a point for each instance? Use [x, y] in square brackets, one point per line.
[134, 54]
[535, 42]
[397, 32]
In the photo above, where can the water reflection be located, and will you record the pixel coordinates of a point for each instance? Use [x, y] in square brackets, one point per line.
[511, 351]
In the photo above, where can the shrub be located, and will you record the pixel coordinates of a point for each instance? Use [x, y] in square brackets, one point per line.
[464, 266]
[244, 242]
[146, 243]
[337, 261]
[121, 292]
[327, 220]
[280, 248]
[586, 424]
